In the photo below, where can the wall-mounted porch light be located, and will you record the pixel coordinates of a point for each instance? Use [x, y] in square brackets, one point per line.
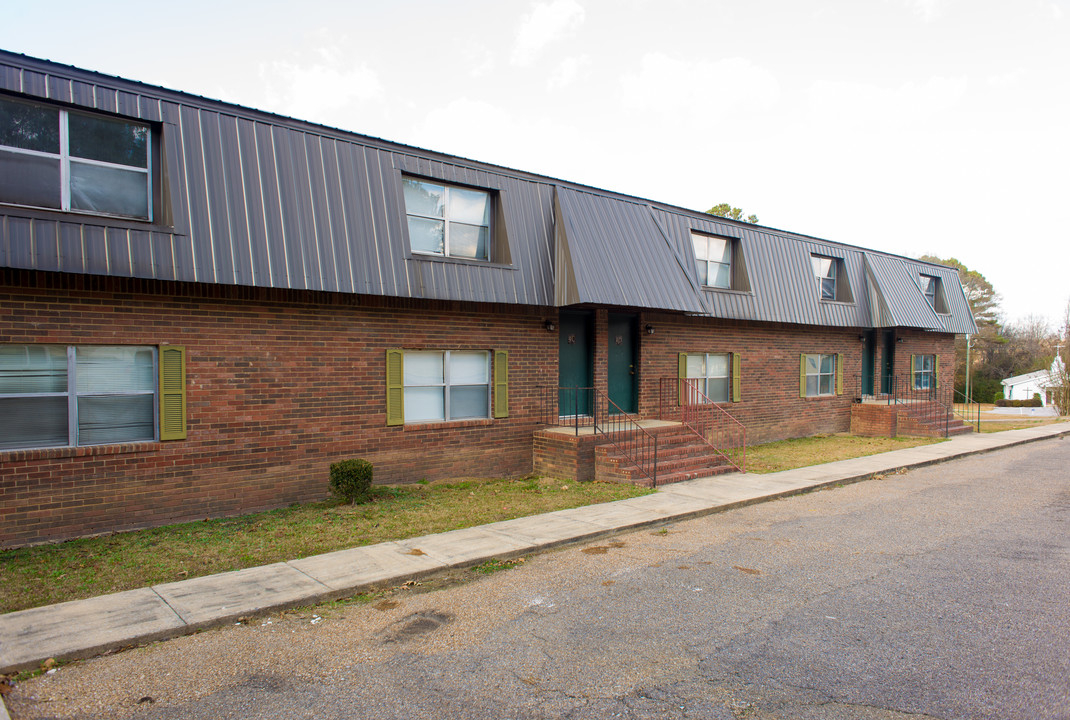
[649, 329]
[550, 325]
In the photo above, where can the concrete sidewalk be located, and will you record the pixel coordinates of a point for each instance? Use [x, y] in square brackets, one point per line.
[83, 628]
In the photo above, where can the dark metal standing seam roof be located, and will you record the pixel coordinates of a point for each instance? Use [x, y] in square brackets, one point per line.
[897, 298]
[619, 256]
[262, 201]
[251, 198]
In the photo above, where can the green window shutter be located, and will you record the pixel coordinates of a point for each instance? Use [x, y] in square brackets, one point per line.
[802, 376]
[839, 374]
[172, 392]
[681, 373]
[912, 367]
[501, 384]
[736, 377]
[395, 386]
[936, 369]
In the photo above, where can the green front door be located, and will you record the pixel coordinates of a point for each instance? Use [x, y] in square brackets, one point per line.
[869, 351]
[575, 363]
[888, 361]
[622, 362]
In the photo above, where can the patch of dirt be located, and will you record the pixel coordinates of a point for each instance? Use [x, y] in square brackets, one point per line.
[386, 604]
[603, 549]
[416, 624]
[749, 571]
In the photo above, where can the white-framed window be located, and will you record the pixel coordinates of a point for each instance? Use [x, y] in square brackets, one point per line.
[710, 374]
[713, 259]
[55, 395]
[819, 374]
[924, 371]
[74, 161]
[447, 220]
[931, 288]
[825, 270]
[446, 385]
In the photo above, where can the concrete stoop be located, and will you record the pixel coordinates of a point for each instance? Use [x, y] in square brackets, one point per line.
[918, 419]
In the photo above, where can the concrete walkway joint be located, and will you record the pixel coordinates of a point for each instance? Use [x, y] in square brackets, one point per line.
[83, 628]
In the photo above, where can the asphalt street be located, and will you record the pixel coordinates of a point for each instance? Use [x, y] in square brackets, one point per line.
[939, 592]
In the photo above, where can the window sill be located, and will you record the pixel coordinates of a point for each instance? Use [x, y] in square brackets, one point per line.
[822, 397]
[416, 257]
[88, 219]
[448, 424]
[836, 302]
[733, 291]
[56, 453]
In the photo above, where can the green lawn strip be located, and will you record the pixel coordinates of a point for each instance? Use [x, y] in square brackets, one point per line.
[76, 569]
[803, 452]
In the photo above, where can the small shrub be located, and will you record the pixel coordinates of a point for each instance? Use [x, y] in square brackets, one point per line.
[351, 480]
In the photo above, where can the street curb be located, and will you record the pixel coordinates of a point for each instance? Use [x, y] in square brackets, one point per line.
[538, 548]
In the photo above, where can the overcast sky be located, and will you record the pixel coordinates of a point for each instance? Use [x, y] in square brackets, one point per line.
[910, 126]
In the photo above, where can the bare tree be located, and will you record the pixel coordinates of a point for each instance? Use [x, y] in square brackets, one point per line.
[1059, 376]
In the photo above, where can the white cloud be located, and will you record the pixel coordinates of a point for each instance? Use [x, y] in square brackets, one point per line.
[324, 89]
[861, 105]
[1009, 78]
[480, 61]
[546, 23]
[682, 87]
[567, 72]
[927, 10]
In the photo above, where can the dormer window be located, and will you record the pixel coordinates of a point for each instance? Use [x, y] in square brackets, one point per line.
[825, 271]
[713, 258]
[831, 277]
[719, 262]
[930, 287]
[447, 220]
[68, 160]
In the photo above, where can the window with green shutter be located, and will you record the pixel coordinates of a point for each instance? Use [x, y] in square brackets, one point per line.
[820, 374]
[78, 395]
[172, 392]
[425, 386]
[712, 377]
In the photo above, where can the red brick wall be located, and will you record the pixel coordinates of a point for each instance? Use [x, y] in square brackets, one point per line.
[280, 384]
[873, 420]
[770, 406]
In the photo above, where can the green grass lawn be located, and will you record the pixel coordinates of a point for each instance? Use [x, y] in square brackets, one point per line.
[94, 566]
[802, 452]
[48, 574]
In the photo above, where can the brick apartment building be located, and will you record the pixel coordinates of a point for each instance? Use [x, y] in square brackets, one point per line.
[202, 306]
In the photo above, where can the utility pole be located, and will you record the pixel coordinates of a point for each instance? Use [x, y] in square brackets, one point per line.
[968, 338]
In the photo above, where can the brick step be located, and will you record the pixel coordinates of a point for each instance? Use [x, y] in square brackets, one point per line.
[665, 441]
[674, 477]
[694, 447]
[617, 468]
[680, 463]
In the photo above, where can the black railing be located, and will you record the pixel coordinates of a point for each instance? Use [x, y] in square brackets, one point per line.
[969, 411]
[920, 395]
[590, 408]
[681, 399]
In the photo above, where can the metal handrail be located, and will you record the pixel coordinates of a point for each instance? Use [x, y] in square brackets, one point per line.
[971, 410]
[704, 418]
[931, 403]
[613, 425]
[605, 418]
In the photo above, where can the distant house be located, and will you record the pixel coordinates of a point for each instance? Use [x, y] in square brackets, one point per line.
[1040, 382]
[202, 306]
